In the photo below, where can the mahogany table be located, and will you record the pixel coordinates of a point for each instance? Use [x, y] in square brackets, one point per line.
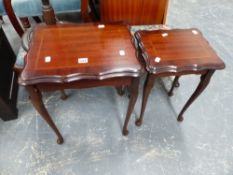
[67, 56]
[174, 53]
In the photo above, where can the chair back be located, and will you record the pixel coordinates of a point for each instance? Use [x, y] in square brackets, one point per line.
[134, 12]
[47, 12]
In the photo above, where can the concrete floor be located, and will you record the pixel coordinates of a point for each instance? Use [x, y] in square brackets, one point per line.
[91, 119]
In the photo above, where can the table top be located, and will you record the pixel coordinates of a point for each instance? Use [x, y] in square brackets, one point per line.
[177, 50]
[70, 52]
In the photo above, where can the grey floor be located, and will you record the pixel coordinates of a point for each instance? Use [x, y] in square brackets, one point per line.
[91, 119]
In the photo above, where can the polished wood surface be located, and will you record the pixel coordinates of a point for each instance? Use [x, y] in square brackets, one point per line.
[108, 50]
[107, 54]
[134, 11]
[174, 53]
[177, 50]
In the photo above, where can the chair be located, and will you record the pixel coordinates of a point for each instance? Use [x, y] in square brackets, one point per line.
[32, 8]
[49, 18]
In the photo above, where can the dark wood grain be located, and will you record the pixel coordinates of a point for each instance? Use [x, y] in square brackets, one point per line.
[174, 53]
[134, 11]
[181, 50]
[66, 43]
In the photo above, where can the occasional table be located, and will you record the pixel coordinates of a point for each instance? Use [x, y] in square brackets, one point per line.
[8, 79]
[174, 53]
[67, 56]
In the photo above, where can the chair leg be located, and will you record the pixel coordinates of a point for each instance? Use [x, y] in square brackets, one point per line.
[174, 84]
[25, 22]
[205, 79]
[37, 19]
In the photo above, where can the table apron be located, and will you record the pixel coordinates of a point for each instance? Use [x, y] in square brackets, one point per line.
[85, 84]
[165, 74]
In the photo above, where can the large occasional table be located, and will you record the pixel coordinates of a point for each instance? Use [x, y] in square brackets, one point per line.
[174, 53]
[67, 56]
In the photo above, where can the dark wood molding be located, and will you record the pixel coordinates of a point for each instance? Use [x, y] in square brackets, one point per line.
[76, 77]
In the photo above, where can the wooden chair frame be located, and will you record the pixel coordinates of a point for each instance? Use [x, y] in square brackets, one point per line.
[12, 16]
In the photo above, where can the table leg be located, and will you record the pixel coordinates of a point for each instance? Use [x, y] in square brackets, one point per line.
[146, 92]
[63, 95]
[174, 84]
[133, 98]
[120, 90]
[36, 99]
[205, 79]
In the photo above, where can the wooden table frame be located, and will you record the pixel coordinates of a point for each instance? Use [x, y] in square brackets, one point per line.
[149, 83]
[105, 64]
[152, 44]
[36, 97]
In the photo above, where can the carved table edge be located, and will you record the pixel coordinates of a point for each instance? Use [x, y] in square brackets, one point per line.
[174, 68]
[75, 77]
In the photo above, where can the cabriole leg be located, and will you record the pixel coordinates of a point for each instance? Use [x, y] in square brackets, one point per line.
[205, 79]
[36, 99]
[132, 101]
[146, 92]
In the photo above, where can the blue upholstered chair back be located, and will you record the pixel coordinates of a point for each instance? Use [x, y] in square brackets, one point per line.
[25, 8]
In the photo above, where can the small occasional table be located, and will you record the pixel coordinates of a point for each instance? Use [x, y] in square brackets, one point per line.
[174, 53]
[68, 56]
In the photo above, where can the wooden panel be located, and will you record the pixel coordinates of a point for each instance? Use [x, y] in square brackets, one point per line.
[177, 50]
[134, 11]
[108, 48]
